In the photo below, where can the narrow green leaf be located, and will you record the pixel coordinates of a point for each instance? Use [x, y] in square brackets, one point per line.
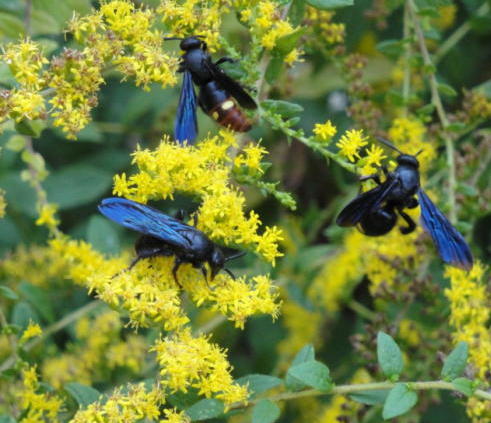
[370, 397]
[284, 108]
[391, 48]
[274, 69]
[83, 394]
[330, 4]
[11, 26]
[205, 409]
[297, 12]
[265, 411]
[464, 385]
[455, 363]
[447, 90]
[6, 292]
[312, 373]
[399, 401]
[257, 384]
[456, 126]
[426, 110]
[287, 43]
[389, 356]
[31, 128]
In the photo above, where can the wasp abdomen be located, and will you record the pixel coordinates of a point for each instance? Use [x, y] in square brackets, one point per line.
[228, 114]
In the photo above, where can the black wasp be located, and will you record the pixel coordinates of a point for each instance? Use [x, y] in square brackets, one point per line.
[164, 235]
[375, 212]
[217, 92]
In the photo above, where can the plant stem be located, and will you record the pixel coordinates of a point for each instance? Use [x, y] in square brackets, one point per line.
[349, 389]
[50, 330]
[458, 34]
[437, 102]
[406, 85]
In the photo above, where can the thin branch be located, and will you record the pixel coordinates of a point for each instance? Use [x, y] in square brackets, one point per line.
[437, 102]
[362, 387]
[406, 85]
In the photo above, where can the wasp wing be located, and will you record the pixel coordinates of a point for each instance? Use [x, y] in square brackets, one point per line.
[147, 220]
[364, 203]
[232, 86]
[449, 242]
[186, 124]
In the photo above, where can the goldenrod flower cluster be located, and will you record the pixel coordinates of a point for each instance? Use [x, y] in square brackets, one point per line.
[37, 405]
[324, 131]
[320, 22]
[137, 404]
[98, 349]
[469, 315]
[193, 361]
[33, 330]
[203, 172]
[269, 26]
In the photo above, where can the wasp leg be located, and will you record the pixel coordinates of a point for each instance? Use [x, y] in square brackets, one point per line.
[412, 203]
[177, 263]
[225, 59]
[411, 226]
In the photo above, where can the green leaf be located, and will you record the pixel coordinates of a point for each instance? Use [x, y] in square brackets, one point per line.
[305, 355]
[330, 4]
[399, 401]
[83, 394]
[287, 43]
[37, 297]
[370, 397]
[454, 364]
[205, 409]
[257, 384]
[446, 90]
[6, 292]
[464, 386]
[20, 196]
[311, 373]
[389, 356]
[456, 126]
[284, 108]
[274, 69]
[297, 12]
[22, 314]
[103, 235]
[16, 143]
[77, 185]
[31, 128]
[426, 110]
[265, 411]
[391, 48]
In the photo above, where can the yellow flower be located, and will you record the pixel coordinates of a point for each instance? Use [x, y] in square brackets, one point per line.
[251, 157]
[187, 361]
[32, 331]
[350, 143]
[324, 131]
[47, 216]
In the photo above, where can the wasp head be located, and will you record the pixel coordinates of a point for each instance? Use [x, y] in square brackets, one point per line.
[408, 160]
[191, 43]
[217, 261]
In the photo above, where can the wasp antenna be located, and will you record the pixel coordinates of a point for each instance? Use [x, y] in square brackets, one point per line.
[387, 143]
[236, 255]
[418, 153]
[173, 38]
[229, 272]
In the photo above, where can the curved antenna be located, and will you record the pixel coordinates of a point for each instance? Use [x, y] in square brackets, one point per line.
[234, 256]
[229, 272]
[173, 38]
[418, 153]
[387, 143]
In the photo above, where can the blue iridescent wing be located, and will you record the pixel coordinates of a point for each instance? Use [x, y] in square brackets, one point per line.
[186, 124]
[449, 242]
[146, 219]
[365, 203]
